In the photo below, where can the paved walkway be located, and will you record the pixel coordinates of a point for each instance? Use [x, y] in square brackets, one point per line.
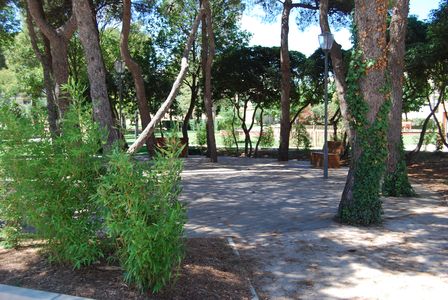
[8, 292]
[281, 215]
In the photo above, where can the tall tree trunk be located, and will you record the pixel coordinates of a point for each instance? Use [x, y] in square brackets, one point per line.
[233, 126]
[261, 133]
[136, 72]
[338, 67]
[360, 202]
[45, 60]
[88, 34]
[208, 44]
[244, 127]
[396, 182]
[58, 39]
[174, 90]
[285, 64]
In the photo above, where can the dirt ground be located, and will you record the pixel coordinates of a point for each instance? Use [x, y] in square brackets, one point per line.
[209, 271]
[431, 170]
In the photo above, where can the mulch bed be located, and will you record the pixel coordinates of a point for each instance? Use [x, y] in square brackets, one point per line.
[209, 271]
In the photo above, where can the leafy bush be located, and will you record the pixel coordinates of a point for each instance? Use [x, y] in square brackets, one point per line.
[144, 216]
[227, 138]
[301, 137]
[59, 185]
[267, 137]
[201, 134]
[48, 182]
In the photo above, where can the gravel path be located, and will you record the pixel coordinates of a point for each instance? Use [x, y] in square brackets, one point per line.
[281, 216]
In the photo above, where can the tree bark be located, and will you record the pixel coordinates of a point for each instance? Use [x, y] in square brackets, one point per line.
[136, 72]
[261, 133]
[45, 60]
[285, 64]
[339, 69]
[174, 90]
[194, 89]
[396, 179]
[370, 19]
[208, 44]
[233, 125]
[88, 34]
[58, 44]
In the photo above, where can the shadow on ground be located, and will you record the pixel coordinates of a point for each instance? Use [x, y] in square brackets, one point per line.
[281, 216]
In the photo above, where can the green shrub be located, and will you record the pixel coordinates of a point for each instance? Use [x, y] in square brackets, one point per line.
[267, 137]
[301, 137]
[15, 132]
[144, 216]
[227, 139]
[201, 134]
[49, 181]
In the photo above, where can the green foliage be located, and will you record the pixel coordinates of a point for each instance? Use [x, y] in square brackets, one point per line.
[144, 216]
[371, 139]
[397, 184]
[227, 139]
[59, 186]
[267, 137]
[48, 182]
[301, 137]
[201, 134]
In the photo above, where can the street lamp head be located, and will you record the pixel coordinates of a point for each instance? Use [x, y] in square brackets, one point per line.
[326, 41]
[119, 66]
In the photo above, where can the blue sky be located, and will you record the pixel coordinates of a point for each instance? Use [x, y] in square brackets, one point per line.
[268, 34]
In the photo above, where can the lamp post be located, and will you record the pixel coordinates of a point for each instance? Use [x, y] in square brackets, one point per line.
[119, 68]
[326, 42]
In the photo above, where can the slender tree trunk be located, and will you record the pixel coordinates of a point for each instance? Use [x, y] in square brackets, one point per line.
[136, 72]
[174, 90]
[244, 127]
[439, 127]
[293, 120]
[285, 64]
[360, 203]
[194, 95]
[261, 133]
[425, 125]
[338, 67]
[58, 39]
[334, 121]
[194, 89]
[88, 34]
[233, 126]
[396, 182]
[45, 60]
[208, 45]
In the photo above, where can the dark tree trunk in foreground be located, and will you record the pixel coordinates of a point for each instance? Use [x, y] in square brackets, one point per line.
[88, 34]
[360, 203]
[136, 72]
[396, 182]
[285, 63]
[58, 39]
[45, 60]
[208, 45]
[339, 69]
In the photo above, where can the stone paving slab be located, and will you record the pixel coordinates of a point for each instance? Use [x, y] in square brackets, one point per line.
[8, 292]
[282, 216]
